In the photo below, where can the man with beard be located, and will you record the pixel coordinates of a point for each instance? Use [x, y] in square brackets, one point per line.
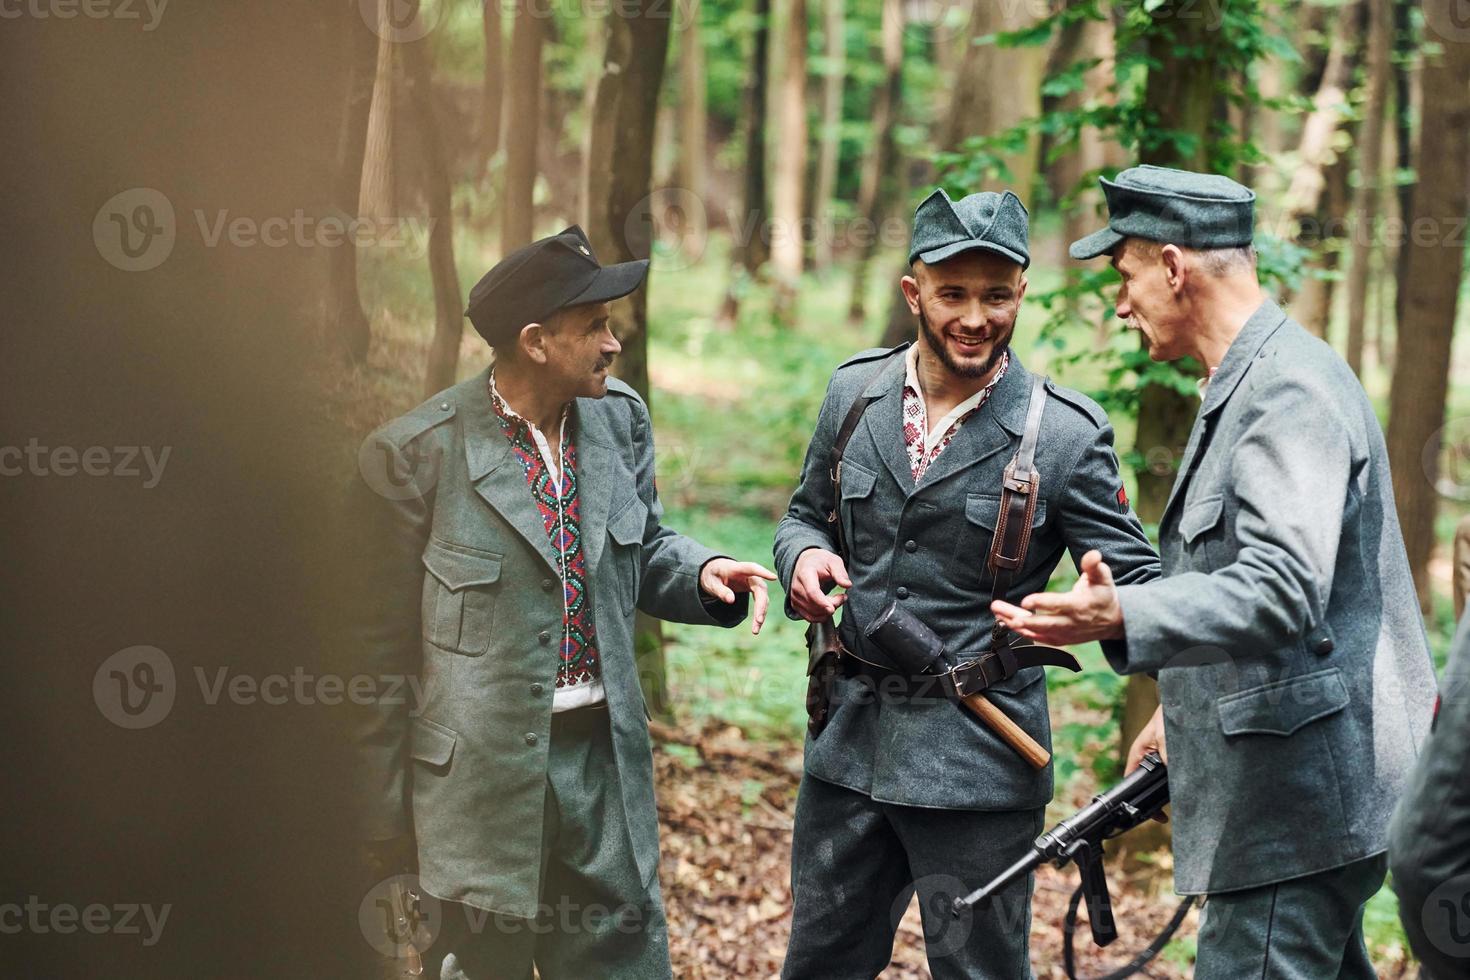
[903, 790]
[512, 528]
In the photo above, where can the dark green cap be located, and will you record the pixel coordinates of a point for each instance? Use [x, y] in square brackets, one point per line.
[1174, 207]
[994, 222]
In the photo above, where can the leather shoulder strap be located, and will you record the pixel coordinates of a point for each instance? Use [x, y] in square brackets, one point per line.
[844, 436]
[1020, 487]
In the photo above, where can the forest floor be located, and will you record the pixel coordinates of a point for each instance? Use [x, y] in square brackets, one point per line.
[726, 805]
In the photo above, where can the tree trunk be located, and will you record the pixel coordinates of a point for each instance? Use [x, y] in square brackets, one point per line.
[1180, 96]
[1403, 119]
[620, 227]
[346, 327]
[976, 109]
[875, 187]
[522, 123]
[1305, 194]
[492, 90]
[756, 248]
[693, 124]
[1427, 302]
[1312, 306]
[378, 194]
[1370, 160]
[830, 135]
[448, 302]
[790, 175]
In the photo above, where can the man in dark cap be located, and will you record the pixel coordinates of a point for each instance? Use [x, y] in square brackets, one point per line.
[905, 790]
[1293, 669]
[516, 529]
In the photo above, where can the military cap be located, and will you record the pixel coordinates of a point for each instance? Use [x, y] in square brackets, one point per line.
[1175, 207]
[532, 283]
[993, 222]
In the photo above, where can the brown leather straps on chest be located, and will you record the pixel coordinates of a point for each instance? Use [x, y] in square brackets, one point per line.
[1020, 488]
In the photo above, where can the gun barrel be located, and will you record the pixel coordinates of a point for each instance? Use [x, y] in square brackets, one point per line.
[1014, 873]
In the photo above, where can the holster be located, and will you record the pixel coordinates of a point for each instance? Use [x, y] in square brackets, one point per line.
[824, 661]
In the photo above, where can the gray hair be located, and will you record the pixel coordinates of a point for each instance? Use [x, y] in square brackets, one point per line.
[1226, 261]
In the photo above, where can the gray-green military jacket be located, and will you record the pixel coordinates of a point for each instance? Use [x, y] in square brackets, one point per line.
[926, 545]
[462, 591]
[1292, 662]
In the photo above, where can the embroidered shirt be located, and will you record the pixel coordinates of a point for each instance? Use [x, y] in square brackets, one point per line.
[553, 485]
[923, 441]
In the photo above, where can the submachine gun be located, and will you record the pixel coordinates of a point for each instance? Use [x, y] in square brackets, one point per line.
[1141, 795]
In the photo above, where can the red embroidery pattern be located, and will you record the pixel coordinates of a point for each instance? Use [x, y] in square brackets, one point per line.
[916, 422]
[561, 514]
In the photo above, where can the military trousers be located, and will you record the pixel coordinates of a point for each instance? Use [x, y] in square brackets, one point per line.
[597, 918]
[857, 862]
[1308, 928]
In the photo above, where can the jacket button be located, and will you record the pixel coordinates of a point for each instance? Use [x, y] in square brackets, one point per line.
[531, 738]
[443, 406]
[1325, 646]
[546, 584]
[911, 546]
[536, 689]
[544, 637]
[902, 592]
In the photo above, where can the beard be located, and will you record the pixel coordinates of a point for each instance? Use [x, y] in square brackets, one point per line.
[963, 370]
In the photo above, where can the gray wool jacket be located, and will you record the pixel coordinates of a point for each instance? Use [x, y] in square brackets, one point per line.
[1292, 661]
[926, 545]
[461, 591]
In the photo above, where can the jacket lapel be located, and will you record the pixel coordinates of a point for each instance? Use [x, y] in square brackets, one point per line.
[989, 430]
[1242, 353]
[496, 473]
[883, 421]
[595, 455]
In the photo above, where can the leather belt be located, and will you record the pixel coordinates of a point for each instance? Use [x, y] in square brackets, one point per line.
[970, 677]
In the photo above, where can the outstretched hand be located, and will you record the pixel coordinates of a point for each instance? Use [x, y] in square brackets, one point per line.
[723, 577]
[1090, 611]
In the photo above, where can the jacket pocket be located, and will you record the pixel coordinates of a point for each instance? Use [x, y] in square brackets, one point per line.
[460, 592]
[977, 536]
[1203, 533]
[432, 742]
[1283, 707]
[625, 529]
[857, 486]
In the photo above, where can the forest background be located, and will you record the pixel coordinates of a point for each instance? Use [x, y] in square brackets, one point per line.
[768, 154]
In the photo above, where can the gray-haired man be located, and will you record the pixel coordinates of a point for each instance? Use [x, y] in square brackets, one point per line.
[1293, 669]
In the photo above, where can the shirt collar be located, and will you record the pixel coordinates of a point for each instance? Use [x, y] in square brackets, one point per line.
[503, 407]
[911, 380]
